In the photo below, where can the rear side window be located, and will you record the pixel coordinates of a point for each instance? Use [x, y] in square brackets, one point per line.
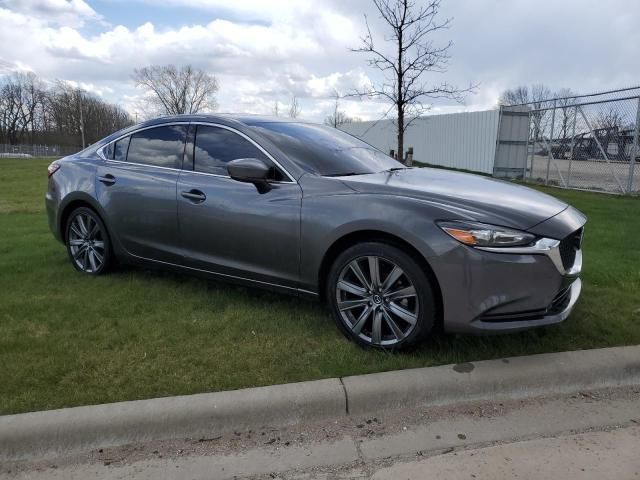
[108, 151]
[159, 147]
[215, 147]
[120, 149]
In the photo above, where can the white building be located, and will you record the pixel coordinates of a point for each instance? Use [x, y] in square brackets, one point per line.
[492, 141]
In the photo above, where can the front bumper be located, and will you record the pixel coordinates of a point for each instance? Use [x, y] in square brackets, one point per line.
[494, 290]
[526, 320]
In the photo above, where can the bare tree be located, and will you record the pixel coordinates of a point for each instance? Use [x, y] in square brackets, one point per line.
[32, 113]
[536, 95]
[611, 118]
[538, 98]
[66, 105]
[80, 117]
[515, 96]
[405, 63]
[176, 91]
[565, 101]
[338, 117]
[276, 109]
[21, 96]
[294, 107]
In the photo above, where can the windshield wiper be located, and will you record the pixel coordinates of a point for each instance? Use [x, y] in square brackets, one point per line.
[348, 174]
[395, 169]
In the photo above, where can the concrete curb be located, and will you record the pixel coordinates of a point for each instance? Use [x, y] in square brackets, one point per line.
[64, 431]
[68, 430]
[496, 379]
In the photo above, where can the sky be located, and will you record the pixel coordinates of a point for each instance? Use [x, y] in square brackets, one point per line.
[265, 51]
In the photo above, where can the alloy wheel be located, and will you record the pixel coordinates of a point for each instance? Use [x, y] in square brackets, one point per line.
[86, 243]
[377, 300]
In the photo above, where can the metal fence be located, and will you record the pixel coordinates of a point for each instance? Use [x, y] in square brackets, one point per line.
[586, 141]
[18, 151]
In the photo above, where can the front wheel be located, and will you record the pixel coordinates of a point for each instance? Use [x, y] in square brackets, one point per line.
[87, 242]
[380, 297]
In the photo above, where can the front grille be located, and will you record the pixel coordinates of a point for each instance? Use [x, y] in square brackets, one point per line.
[568, 248]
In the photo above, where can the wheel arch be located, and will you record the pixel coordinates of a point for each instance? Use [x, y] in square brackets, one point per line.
[361, 236]
[75, 201]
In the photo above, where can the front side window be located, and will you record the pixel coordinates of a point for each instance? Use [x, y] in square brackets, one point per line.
[159, 146]
[215, 147]
[324, 150]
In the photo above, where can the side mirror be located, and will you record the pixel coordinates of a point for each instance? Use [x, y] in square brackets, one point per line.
[250, 170]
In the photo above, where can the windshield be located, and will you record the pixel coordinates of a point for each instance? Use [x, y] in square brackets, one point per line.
[325, 150]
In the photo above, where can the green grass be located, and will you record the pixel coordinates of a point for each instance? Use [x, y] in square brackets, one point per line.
[66, 340]
[23, 183]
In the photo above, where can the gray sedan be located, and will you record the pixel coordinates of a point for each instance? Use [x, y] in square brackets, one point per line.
[309, 210]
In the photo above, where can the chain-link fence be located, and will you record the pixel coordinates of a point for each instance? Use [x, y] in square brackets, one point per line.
[586, 141]
[18, 151]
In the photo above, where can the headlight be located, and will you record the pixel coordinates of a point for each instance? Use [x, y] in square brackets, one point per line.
[483, 235]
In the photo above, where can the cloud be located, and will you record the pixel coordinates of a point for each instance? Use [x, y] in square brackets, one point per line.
[61, 12]
[263, 52]
[89, 87]
[256, 64]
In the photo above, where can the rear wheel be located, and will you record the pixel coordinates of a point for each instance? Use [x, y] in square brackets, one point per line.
[87, 242]
[380, 297]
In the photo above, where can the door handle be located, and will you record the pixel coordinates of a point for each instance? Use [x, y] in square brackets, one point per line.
[196, 196]
[107, 179]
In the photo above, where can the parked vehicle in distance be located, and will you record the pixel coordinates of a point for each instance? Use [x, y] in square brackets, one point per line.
[308, 209]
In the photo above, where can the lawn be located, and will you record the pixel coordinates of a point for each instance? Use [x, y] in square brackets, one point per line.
[66, 340]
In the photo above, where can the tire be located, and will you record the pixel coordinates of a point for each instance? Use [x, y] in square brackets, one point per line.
[393, 312]
[88, 243]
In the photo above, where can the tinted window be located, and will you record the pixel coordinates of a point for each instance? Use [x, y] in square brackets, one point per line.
[215, 147]
[108, 151]
[120, 149]
[160, 146]
[325, 150]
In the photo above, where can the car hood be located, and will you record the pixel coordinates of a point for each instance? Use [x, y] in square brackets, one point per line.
[466, 196]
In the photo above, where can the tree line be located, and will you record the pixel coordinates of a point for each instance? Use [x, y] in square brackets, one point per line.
[33, 112]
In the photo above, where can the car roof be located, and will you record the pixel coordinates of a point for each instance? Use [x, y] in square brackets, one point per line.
[219, 117]
[239, 121]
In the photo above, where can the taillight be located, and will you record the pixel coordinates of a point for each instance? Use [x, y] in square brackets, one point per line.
[53, 168]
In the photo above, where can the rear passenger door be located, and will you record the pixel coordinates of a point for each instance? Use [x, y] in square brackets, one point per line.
[229, 227]
[137, 188]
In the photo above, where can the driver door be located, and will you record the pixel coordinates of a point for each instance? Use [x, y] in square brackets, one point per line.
[228, 227]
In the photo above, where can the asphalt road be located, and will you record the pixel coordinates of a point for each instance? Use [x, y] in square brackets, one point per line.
[592, 434]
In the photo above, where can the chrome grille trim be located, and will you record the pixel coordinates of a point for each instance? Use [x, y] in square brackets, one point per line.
[549, 247]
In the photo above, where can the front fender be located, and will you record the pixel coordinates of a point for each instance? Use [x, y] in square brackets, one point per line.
[327, 219]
